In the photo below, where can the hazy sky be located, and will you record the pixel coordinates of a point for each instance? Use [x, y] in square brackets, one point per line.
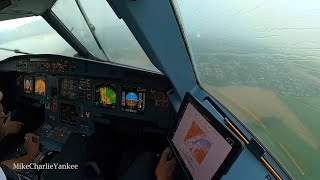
[24, 34]
[116, 39]
[114, 36]
[277, 23]
[285, 25]
[15, 23]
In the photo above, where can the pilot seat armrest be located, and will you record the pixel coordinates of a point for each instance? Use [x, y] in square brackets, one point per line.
[74, 153]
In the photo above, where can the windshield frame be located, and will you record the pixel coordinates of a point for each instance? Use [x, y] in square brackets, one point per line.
[64, 32]
[89, 24]
[222, 109]
[96, 39]
[15, 25]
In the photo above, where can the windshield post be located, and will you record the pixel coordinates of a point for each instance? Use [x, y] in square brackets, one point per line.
[56, 24]
[101, 31]
[91, 27]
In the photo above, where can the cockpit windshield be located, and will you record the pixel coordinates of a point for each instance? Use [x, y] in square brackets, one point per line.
[31, 35]
[96, 26]
[261, 60]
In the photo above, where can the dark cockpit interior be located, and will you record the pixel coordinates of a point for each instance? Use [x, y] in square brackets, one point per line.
[114, 89]
[86, 111]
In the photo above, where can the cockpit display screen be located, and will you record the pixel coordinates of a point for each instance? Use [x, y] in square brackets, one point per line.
[68, 89]
[40, 86]
[68, 113]
[105, 95]
[28, 84]
[204, 147]
[133, 99]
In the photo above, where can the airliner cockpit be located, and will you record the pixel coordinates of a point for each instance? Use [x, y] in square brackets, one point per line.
[150, 89]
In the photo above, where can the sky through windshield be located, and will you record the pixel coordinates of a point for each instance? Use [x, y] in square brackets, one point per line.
[261, 60]
[116, 39]
[31, 35]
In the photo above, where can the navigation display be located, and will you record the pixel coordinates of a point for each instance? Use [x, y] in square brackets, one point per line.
[105, 95]
[40, 86]
[68, 113]
[68, 89]
[28, 84]
[133, 99]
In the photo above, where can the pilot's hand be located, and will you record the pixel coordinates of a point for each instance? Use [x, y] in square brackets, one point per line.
[165, 168]
[31, 145]
[12, 127]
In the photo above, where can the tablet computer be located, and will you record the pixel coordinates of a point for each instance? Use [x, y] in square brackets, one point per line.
[203, 146]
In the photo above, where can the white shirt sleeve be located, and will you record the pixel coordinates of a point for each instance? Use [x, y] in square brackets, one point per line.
[2, 175]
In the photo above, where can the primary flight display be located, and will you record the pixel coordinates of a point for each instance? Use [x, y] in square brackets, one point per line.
[133, 99]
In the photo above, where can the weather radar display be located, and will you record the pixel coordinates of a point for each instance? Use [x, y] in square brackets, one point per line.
[40, 86]
[106, 95]
[133, 99]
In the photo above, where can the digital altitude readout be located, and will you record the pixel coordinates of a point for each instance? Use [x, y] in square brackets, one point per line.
[133, 99]
[105, 95]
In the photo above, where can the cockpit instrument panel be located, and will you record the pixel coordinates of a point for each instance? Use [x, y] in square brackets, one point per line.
[68, 89]
[19, 80]
[159, 98]
[40, 86]
[45, 65]
[106, 95]
[133, 99]
[84, 92]
[68, 113]
[28, 84]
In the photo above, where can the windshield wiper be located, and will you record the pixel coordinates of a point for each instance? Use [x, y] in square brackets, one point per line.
[91, 27]
[17, 51]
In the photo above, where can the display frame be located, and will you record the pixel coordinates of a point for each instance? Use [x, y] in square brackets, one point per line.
[60, 88]
[27, 77]
[36, 78]
[222, 129]
[73, 123]
[113, 87]
[137, 90]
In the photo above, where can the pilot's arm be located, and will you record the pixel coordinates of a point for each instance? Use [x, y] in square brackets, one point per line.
[32, 149]
[165, 168]
[9, 127]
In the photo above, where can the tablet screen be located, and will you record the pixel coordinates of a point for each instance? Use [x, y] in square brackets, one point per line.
[202, 148]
